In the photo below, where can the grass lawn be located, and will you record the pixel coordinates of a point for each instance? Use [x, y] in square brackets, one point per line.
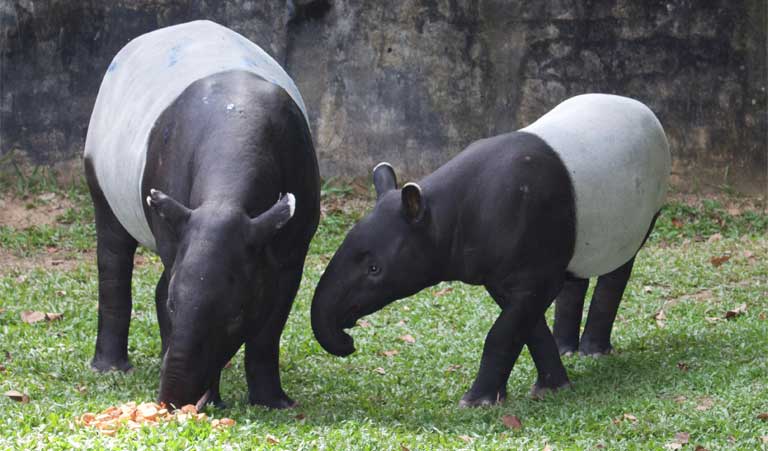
[683, 379]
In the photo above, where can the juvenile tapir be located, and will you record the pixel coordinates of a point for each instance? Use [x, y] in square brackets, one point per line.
[530, 215]
[199, 148]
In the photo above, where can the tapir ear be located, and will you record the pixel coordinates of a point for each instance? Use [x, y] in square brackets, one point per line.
[264, 226]
[174, 214]
[414, 204]
[384, 178]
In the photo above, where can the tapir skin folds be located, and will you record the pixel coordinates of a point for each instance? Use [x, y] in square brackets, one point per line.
[531, 215]
[199, 149]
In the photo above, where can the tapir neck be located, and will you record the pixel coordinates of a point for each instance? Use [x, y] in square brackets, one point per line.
[446, 231]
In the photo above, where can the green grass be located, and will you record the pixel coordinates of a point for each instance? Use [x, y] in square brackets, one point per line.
[659, 374]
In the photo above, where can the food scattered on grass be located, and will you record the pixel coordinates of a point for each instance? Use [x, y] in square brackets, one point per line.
[133, 416]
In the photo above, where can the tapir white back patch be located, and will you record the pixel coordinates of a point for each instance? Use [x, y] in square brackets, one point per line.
[617, 155]
[145, 77]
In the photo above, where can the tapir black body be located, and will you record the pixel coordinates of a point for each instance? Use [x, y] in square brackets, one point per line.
[501, 214]
[233, 257]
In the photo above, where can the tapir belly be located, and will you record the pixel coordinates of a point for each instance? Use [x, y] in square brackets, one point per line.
[618, 160]
[143, 80]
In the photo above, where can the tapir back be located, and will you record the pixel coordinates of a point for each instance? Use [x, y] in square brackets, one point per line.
[618, 159]
[145, 77]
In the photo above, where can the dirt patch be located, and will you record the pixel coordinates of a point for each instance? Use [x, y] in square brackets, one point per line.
[43, 209]
[11, 263]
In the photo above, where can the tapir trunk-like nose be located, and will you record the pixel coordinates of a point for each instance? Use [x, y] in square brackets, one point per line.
[327, 316]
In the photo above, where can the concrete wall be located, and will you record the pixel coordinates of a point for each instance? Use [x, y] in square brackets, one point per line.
[413, 82]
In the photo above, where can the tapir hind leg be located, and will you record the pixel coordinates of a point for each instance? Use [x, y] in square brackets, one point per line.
[161, 306]
[596, 339]
[114, 256]
[513, 328]
[568, 311]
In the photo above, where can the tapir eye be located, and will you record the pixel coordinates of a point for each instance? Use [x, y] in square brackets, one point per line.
[374, 269]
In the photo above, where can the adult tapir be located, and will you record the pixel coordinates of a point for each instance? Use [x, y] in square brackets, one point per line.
[530, 215]
[199, 149]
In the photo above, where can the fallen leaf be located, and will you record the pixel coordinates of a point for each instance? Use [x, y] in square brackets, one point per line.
[763, 416]
[406, 308]
[680, 399]
[700, 448]
[81, 389]
[2, 368]
[677, 223]
[31, 317]
[404, 448]
[512, 422]
[660, 316]
[764, 438]
[17, 396]
[714, 238]
[734, 211]
[401, 322]
[740, 310]
[8, 356]
[748, 254]
[762, 316]
[630, 417]
[682, 366]
[61, 293]
[718, 261]
[408, 338]
[363, 323]
[705, 403]
[2, 310]
[453, 367]
[21, 279]
[300, 416]
[391, 353]
[466, 438]
[50, 249]
[272, 440]
[546, 448]
[443, 292]
[682, 437]
[713, 319]
[673, 446]
[380, 370]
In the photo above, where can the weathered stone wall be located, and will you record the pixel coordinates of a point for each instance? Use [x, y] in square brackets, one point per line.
[414, 81]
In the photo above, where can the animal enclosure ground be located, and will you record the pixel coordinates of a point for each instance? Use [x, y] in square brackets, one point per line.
[683, 375]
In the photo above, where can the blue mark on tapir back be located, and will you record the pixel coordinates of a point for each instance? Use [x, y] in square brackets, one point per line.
[112, 66]
[173, 55]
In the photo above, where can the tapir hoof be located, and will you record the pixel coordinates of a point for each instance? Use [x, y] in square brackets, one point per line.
[540, 392]
[104, 365]
[282, 402]
[470, 400]
[594, 348]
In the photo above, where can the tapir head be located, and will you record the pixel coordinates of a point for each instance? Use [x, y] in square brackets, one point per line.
[211, 287]
[387, 256]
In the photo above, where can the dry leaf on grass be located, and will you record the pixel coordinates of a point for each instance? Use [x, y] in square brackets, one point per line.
[363, 323]
[453, 367]
[443, 292]
[682, 437]
[718, 261]
[700, 448]
[680, 399]
[626, 416]
[682, 366]
[673, 446]
[300, 416]
[31, 317]
[546, 448]
[466, 438]
[714, 238]
[408, 338]
[660, 317]
[380, 370]
[740, 310]
[17, 396]
[390, 353]
[404, 448]
[764, 438]
[272, 440]
[705, 404]
[677, 223]
[512, 422]
[763, 416]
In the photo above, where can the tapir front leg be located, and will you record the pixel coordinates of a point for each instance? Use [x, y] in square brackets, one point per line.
[161, 306]
[522, 307]
[262, 348]
[114, 256]
[568, 311]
